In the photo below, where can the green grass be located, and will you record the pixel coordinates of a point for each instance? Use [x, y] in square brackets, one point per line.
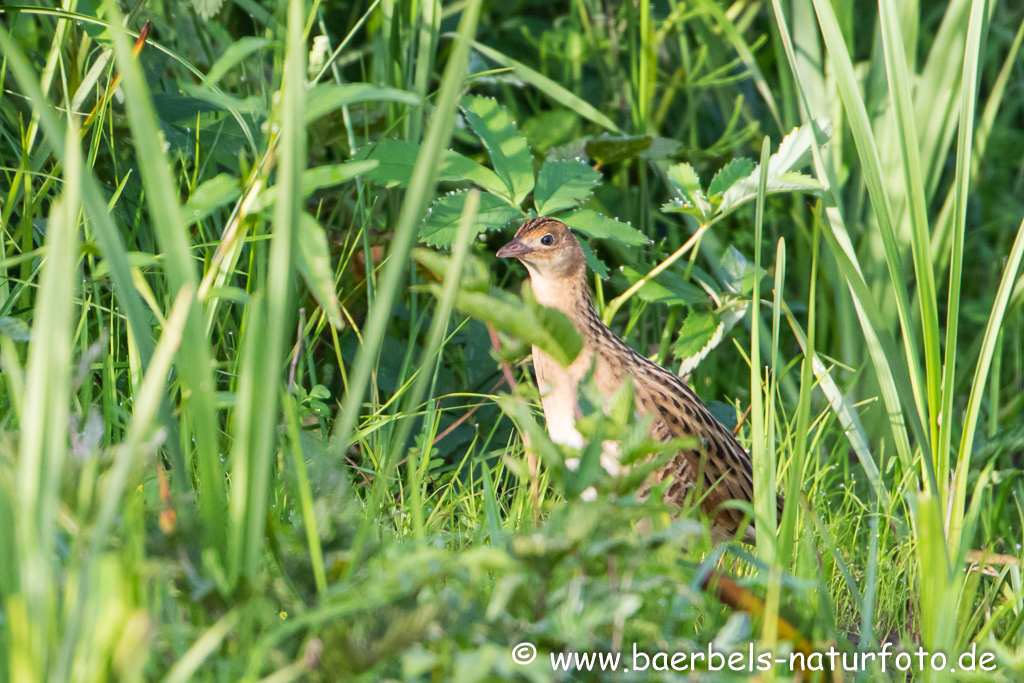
[249, 432]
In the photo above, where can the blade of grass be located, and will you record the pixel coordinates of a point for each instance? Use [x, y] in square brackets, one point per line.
[761, 452]
[44, 426]
[988, 346]
[417, 199]
[431, 356]
[896, 379]
[976, 30]
[194, 358]
[127, 460]
[913, 178]
[111, 243]
[547, 86]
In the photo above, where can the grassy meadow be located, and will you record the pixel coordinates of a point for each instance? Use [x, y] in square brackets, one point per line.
[263, 405]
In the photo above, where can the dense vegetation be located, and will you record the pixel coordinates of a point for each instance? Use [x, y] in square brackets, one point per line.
[250, 429]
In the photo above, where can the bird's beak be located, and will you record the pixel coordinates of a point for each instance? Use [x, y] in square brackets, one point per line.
[514, 249]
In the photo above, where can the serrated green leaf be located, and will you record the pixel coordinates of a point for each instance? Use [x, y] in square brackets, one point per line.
[795, 149]
[563, 185]
[438, 230]
[701, 332]
[327, 97]
[794, 152]
[684, 179]
[314, 262]
[609, 149]
[596, 225]
[730, 173]
[396, 159]
[510, 155]
[594, 263]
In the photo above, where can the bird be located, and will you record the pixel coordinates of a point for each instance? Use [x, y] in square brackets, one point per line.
[558, 276]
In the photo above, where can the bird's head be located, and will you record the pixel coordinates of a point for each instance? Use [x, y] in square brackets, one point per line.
[547, 248]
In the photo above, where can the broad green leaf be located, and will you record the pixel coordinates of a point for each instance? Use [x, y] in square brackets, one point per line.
[661, 148]
[609, 149]
[794, 152]
[729, 174]
[509, 152]
[209, 196]
[327, 97]
[594, 263]
[563, 185]
[207, 9]
[795, 149]
[546, 328]
[701, 332]
[596, 225]
[738, 273]
[685, 180]
[438, 230]
[396, 159]
[313, 259]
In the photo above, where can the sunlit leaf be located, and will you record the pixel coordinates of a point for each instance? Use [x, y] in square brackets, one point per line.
[602, 227]
[563, 185]
[396, 159]
[509, 152]
[684, 179]
[438, 230]
[730, 173]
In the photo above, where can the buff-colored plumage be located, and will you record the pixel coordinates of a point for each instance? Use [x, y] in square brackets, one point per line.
[557, 269]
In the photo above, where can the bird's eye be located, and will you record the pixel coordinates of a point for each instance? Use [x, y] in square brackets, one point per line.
[547, 240]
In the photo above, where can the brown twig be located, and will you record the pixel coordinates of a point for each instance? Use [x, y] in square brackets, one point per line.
[465, 416]
[743, 418]
[136, 49]
[740, 599]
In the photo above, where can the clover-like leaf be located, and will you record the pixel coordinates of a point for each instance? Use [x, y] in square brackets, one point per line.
[794, 152]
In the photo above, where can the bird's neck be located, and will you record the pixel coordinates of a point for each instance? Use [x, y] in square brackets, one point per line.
[570, 295]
